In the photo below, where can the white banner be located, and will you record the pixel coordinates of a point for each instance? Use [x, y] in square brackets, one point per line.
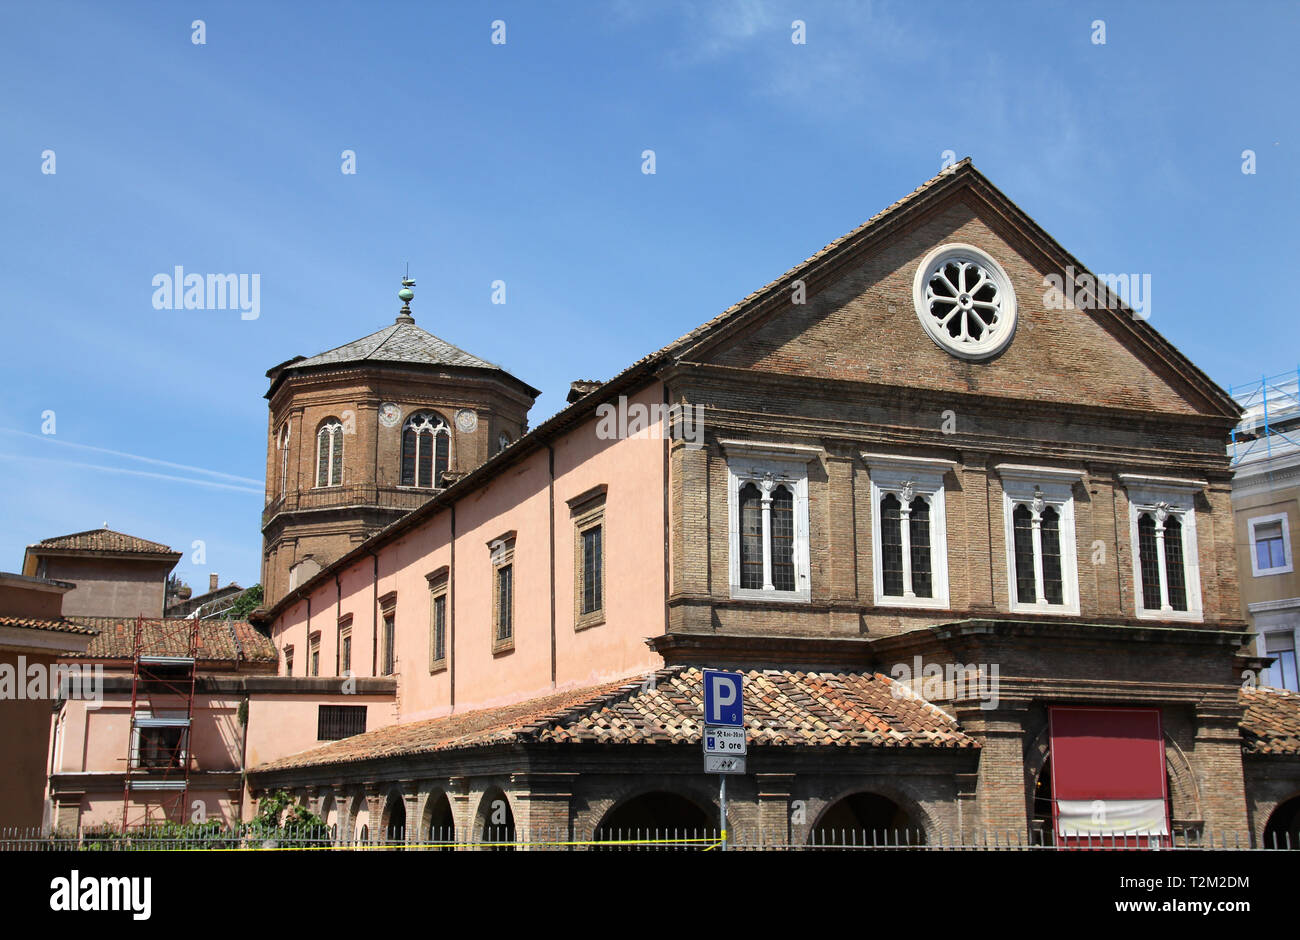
[1111, 818]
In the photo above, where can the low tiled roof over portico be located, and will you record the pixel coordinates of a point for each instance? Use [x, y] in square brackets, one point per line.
[1271, 724]
[782, 708]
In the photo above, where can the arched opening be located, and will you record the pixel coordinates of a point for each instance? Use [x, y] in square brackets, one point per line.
[329, 814]
[657, 820]
[440, 828]
[866, 819]
[395, 830]
[1042, 822]
[1283, 828]
[359, 819]
[496, 829]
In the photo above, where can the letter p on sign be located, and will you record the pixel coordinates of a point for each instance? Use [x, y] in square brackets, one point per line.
[723, 699]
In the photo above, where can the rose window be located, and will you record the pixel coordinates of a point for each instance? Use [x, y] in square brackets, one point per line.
[965, 301]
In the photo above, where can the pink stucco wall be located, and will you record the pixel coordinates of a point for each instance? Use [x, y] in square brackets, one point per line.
[95, 739]
[519, 500]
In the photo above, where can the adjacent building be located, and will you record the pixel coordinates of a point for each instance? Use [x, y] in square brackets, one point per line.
[1265, 456]
[33, 635]
[163, 737]
[114, 574]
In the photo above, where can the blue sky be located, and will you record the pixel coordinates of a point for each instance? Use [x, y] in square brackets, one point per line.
[522, 162]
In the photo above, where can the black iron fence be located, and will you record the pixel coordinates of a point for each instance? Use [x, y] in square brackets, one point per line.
[507, 838]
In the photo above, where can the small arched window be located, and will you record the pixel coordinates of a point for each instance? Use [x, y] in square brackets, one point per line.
[284, 458]
[426, 449]
[503, 441]
[329, 453]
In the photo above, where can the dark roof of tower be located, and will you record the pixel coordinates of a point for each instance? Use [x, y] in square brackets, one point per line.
[401, 343]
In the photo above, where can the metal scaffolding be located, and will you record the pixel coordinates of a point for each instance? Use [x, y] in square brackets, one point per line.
[159, 745]
[1271, 425]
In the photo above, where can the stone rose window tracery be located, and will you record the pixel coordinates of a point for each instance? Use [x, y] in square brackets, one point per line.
[965, 301]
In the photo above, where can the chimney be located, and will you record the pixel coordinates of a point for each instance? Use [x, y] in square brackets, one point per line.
[582, 388]
[212, 582]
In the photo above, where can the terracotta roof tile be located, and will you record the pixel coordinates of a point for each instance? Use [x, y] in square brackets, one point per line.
[219, 640]
[782, 709]
[103, 540]
[1271, 724]
[56, 625]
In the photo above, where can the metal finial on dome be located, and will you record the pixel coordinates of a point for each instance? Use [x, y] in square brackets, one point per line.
[405, 295]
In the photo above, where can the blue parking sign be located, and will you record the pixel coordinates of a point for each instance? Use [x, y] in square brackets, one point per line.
[724, 698]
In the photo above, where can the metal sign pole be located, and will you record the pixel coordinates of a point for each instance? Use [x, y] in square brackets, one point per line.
[722, 802]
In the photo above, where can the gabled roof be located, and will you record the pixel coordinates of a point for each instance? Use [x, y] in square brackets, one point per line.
[1271, 723]
[102, 540]
[782, 708]
[219, 640]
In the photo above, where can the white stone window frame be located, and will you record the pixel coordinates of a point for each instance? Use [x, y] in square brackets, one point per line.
[907, 478]
[1038, 488]
[1286, 568]
[1165, 496]
[767, 466]
[1275, 618]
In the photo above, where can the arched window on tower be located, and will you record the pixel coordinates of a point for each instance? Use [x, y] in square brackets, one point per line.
[329, 453]
[284, 459]
[426, 449]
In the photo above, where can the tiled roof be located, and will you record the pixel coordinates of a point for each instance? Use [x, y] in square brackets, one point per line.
[219, 640]
[1271, 724]
[55, 625]
[781, 708]
[103, 540]
[401, 342]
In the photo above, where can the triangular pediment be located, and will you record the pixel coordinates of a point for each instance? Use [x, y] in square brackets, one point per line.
[859, 319]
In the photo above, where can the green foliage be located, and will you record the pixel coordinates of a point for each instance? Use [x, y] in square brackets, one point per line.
[297, 819]
[245, 604]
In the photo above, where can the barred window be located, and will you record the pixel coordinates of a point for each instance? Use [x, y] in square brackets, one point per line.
[1026, 583]
[592, 570]
[751, 537]
[1151, 537]
[329, 453]
[919, 531]
[1174, 573]
[334, 722]
[782, 535]
[440, 628]
[426, 449]
[390, 636]
[767, 496]
[1149, 561]
[505, 602]
[1053, 586]
[891, 545]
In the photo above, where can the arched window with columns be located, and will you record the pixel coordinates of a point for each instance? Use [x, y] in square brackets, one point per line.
[329, 453]
[426, 449]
